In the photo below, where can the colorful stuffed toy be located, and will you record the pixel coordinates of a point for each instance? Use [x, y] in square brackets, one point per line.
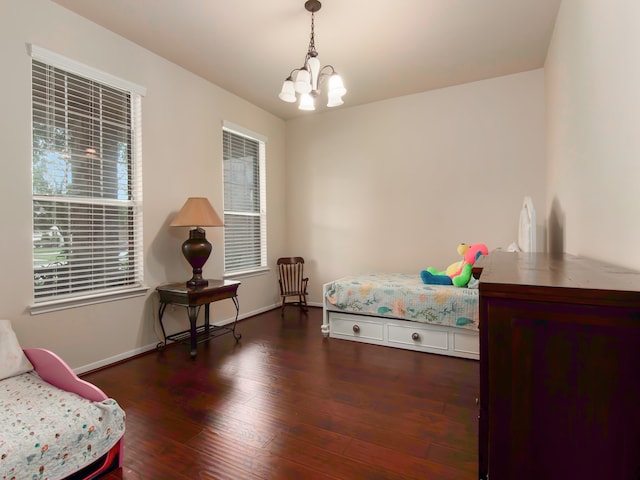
[458, 273]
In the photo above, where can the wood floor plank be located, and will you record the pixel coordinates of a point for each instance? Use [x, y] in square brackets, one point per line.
[337, 465]
[286, 403]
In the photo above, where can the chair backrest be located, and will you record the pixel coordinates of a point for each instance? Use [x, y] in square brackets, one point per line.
[291, 274]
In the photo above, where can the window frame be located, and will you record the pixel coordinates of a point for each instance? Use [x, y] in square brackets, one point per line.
[134, 281]
[262, 267]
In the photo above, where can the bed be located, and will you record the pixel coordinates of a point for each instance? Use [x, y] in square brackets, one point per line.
[399, 310]
[55, 425]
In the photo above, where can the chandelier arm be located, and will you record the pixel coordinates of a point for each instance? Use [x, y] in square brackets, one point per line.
[323, 74]
[333, 70]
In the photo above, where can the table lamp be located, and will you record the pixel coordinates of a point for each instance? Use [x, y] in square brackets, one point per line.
[196, 212]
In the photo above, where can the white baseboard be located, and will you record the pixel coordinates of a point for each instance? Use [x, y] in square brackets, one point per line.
[116, 358]
[137, 351]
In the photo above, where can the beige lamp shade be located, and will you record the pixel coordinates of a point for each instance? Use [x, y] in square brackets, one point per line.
[197, 212]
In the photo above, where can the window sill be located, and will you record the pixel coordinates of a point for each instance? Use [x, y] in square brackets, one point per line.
[55, 305]
[247, 273]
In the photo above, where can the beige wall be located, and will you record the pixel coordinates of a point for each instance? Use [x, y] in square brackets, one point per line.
[182, 150]
[397, 185]
[592, 76]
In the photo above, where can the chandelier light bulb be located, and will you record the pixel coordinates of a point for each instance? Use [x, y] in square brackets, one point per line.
[334, 100]
[303, 81]
[306, 102]
[336, 86]
[288, 92]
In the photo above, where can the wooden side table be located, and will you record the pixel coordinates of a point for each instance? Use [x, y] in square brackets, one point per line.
[192, 298]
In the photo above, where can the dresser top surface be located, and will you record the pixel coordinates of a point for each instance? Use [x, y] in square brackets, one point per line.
[504, 271]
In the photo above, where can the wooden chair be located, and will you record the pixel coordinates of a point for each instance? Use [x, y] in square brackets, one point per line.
[292, 281]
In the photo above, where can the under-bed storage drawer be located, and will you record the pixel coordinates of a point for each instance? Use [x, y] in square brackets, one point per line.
[466, 343]
[397, 333]
[356, 327]
[418, 337]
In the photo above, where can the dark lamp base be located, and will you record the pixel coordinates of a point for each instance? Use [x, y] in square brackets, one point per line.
[197, 282]
[196, 250]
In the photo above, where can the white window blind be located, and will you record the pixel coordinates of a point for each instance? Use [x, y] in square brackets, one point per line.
[87, 186]
[245, 217]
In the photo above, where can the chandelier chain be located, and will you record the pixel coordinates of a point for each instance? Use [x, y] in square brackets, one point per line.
[312, 41]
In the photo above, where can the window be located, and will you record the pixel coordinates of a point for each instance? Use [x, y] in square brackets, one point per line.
[86, 182]
[245, 215]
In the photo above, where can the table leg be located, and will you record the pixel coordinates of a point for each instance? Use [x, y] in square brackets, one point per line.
[193, 318]
[206, 319]
[233, 332]
[164, 334]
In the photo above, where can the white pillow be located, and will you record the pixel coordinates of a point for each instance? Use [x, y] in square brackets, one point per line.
[13, 361]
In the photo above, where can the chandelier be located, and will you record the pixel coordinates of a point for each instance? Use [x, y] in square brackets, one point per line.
[305, 81]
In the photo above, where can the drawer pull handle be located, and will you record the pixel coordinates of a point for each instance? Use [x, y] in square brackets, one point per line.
[356, 328]
[415, 336]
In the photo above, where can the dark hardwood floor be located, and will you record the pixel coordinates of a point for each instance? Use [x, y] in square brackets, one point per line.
[284, 403]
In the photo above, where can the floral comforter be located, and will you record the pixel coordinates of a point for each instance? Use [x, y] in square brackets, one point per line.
[405, 296]
[47, 433]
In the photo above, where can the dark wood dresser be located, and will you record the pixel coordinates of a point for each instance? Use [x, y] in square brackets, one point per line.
[559, 368]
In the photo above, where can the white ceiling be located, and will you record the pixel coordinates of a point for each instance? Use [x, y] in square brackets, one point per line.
[382, 49]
